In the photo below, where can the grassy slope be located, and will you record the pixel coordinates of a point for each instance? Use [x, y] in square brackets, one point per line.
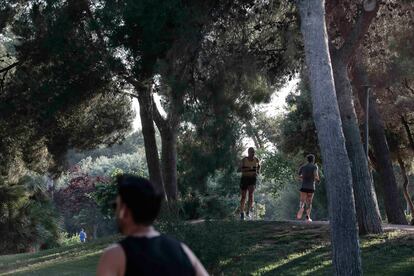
[237, 248]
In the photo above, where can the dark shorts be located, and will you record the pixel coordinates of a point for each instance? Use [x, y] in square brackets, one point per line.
[246, 181]
[309, 191]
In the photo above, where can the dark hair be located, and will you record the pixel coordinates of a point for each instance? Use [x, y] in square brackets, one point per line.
[140, 196]
[251, 148]
[310, 157]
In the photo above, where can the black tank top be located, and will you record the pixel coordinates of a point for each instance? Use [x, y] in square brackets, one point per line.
[155, 256]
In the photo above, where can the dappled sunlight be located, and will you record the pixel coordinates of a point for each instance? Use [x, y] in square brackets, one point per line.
[54, 263]
[288, 259]
[317, 268]
[60, 260]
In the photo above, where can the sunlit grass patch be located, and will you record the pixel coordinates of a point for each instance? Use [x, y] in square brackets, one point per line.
[237, 248]
[284, 261]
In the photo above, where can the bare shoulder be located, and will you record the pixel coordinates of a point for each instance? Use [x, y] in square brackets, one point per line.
[114, 250]
[112, 261]
[198, 266]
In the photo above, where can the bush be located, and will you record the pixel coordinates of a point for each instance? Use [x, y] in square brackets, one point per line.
[196, 206]
[66, 239]
[191, 206]
[216, 207]
[28, 220]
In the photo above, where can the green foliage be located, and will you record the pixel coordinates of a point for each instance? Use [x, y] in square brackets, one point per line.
[134, 163]
[28, 219]
[287, 202]
[60, 95]
[133, 143]
[298, 132]
[78, 208]
[278, 170]
[67, 239]
[196, 206]
[105, 196]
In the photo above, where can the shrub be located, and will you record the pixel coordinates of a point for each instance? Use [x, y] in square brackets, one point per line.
[67, 239]
[28, 220]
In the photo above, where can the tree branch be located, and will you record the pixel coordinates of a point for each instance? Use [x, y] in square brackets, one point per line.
[161, 123]
[408, 86]
[359, 29]
[6, 69]
[129, 94]
[408, 132]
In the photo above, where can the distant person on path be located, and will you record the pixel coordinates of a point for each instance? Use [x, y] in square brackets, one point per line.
[82, 235]
[308, 174]
[250, 169]
[144, 251]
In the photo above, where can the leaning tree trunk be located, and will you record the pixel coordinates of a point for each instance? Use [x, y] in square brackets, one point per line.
[368, 215]
[168, 128]
[393, 206]
[169, 162]
[344, 234]
[150, 144]
[405, 187]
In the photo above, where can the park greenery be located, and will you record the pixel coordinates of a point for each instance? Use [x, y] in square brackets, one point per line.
[70, 70]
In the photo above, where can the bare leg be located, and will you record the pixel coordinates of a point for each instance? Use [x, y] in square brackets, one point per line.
[309, 199]
[301, 205]
[251, 192]
[242, 200]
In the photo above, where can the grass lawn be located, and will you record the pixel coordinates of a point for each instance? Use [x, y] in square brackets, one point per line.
[237, 248]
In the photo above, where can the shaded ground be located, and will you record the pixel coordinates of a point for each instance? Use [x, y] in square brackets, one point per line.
[239, 248]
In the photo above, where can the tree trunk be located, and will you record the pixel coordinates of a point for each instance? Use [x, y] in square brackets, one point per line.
[393, 207]
[405, 188]
[169, 131]
[150, 144]
[95, 231]
[408, 132]
[368, 215]
[169, 162]
[344, 234]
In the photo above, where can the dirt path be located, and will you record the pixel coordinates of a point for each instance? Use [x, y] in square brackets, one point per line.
[386, 226]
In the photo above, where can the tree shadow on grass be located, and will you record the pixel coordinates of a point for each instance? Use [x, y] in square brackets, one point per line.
[28, 263]
[275, 251]
[389, 254]
[80, 265]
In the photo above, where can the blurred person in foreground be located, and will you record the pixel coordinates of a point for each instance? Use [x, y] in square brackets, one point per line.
[144, 251]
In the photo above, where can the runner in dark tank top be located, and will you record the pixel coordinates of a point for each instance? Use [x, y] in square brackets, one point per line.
[144, 251]
[308, 174]
[160, 255]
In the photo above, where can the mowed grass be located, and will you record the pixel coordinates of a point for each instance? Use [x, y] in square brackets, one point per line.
[237, 248]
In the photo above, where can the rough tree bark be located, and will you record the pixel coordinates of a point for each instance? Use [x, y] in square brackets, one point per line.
[344, 234]
[168, 128]
[393, 206]
[369, 219]
[148, 131]
[407, 195]
[408, 132]
[368, 215]
[177, 74]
